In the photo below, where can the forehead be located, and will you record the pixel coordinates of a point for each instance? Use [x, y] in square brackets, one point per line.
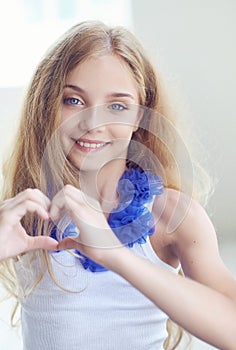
[107, 71]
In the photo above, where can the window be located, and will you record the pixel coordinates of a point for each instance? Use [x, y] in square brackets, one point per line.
[29, 27]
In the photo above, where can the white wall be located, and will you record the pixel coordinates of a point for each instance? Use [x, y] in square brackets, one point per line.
[193, 43]
[10, 105]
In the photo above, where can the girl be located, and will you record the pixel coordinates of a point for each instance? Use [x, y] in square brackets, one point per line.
[202, 302]
[212, 314]
[95, 119]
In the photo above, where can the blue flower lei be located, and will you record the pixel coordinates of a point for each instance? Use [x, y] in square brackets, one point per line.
[131, 221]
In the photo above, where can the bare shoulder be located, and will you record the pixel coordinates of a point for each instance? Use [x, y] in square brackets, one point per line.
[185, 232]
[180, 217]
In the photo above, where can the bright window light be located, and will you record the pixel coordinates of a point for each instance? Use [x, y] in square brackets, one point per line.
[29, 27]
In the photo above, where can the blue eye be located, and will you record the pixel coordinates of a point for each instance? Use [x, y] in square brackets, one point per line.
[117, 107]
[72, 101]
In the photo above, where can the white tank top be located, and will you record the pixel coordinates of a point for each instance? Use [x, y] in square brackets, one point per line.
[103, 311]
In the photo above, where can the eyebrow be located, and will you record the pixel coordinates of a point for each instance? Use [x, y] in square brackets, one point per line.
[112, 94]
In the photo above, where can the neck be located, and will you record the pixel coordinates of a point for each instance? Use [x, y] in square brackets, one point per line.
[102, 184]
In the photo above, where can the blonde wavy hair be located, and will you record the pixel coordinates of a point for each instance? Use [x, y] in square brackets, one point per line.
[41, 118]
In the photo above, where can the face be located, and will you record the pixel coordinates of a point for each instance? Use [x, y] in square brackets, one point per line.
[99, 112]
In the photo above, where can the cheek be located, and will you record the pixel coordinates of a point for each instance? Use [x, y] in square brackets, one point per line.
[68, 122]
[65, 115]
[64, 138]
[123, 131]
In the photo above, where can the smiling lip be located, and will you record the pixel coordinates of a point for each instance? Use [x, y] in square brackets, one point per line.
[89, 145]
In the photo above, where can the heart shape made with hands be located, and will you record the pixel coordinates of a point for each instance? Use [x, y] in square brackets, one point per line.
[131, 222]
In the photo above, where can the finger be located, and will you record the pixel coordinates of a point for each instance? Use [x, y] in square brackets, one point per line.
[62, 206]
[37, 196]
[41, 242]
[68, 243]
[15, 213]
[58, 205]
[66, 200]
[34, 195]
[78, 196]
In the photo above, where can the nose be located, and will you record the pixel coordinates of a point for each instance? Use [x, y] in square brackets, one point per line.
[91, 119]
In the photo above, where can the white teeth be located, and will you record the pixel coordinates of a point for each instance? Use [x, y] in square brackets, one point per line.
[89, 145]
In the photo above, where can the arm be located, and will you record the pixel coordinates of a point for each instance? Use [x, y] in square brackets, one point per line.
[200, 310]
[191, 238]
[13, 238]
[208, 314]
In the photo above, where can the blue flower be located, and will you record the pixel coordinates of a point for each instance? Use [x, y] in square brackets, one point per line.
[138, 187]
[131, 221]
[90, 264]
[126, 190]
[119, 218]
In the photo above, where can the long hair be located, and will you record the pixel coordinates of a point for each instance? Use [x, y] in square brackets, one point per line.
[41, 118]
[41, 110]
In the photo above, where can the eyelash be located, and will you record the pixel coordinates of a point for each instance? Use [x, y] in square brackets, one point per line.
[120, 108]
[68, 101]
[71, 102]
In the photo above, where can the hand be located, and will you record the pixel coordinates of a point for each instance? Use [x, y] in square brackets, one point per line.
[13, 237]
[95, 236]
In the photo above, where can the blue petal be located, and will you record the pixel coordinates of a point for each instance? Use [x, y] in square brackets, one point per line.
[131, 221]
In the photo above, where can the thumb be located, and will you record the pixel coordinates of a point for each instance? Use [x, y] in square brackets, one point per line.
[68, 243]
[42, 242]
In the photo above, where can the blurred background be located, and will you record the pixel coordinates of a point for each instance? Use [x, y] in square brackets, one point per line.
[192, 44]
